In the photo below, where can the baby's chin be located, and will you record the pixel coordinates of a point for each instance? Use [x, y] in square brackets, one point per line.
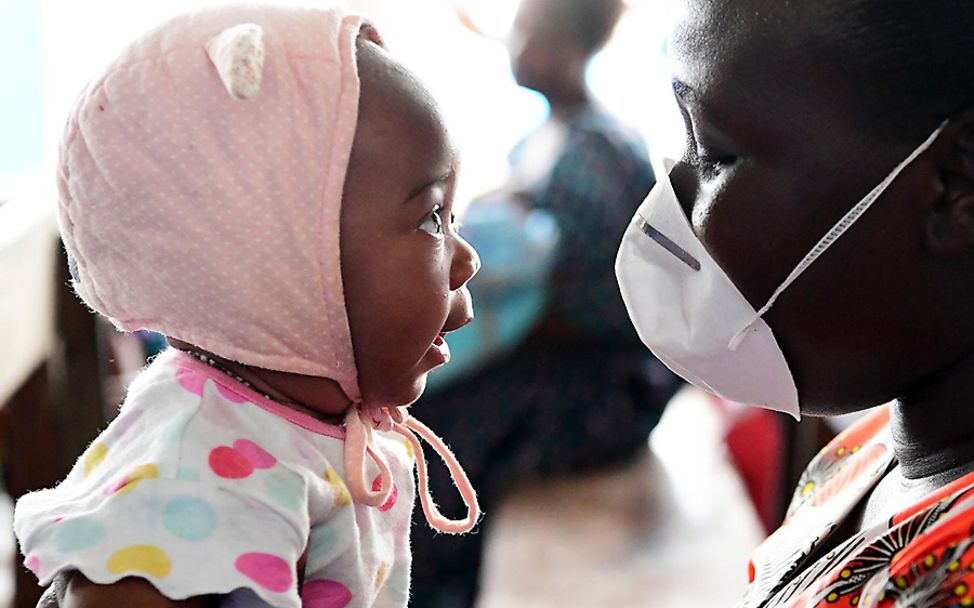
[419, 387]
[402, 394]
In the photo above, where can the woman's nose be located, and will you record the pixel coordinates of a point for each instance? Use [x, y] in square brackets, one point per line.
[466, 263]
[685, 186]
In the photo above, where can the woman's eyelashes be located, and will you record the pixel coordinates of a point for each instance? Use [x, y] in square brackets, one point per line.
[712, 164]
[708, 163]
[433, 224]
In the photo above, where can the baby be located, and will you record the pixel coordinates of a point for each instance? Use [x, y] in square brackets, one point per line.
[273, 192]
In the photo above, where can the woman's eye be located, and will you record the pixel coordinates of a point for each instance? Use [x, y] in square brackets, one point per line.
[710, 165]
[433, 224]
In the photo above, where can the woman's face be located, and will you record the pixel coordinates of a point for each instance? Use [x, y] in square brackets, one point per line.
[776, 155]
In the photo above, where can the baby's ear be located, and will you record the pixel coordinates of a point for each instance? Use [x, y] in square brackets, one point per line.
[238, 54]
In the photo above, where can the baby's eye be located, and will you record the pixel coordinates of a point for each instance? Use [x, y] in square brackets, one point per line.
[433, 224]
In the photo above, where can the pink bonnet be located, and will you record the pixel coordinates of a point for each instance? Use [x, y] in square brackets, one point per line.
[201, 181]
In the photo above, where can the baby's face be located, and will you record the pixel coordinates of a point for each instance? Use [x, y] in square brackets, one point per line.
[404, 266]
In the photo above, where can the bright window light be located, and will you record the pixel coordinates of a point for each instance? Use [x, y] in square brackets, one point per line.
[469, 74]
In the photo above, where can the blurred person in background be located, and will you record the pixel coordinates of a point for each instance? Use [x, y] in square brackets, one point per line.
[577, 392]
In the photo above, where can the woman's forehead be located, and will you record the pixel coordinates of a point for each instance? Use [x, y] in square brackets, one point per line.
[714, 40]
[751, 60]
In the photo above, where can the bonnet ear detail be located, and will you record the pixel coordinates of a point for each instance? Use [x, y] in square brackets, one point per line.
[369, 32]
[238, 54]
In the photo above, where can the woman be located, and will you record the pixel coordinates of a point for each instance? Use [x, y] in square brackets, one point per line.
[794, 112]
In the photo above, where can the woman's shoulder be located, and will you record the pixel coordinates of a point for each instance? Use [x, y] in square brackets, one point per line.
[924, 556]
[938, 563]
[919, 556]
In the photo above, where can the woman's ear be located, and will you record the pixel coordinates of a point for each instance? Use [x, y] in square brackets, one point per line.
[950, 226]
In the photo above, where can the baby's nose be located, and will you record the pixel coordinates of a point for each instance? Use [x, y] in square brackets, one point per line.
[466, 263]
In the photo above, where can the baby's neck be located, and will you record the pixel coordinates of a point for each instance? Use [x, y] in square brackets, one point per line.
[320, 398]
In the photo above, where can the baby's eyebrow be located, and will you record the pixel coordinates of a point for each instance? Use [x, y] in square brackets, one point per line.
[442, 179]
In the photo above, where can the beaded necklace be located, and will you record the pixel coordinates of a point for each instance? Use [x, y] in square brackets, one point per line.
[221, 368]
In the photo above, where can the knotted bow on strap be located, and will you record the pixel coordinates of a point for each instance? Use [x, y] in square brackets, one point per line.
[359, 424]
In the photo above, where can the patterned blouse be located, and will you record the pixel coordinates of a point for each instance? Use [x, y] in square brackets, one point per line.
[922, 557]
[597, 181]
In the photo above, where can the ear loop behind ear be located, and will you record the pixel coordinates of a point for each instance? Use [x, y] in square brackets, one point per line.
[838, 230]
[358, 442]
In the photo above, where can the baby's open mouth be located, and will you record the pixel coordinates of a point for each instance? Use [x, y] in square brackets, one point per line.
[442, 347]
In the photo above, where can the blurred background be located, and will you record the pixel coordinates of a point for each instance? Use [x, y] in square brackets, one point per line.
[51, 48]
[668, 521]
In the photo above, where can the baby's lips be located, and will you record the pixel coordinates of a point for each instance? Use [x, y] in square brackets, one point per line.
[443, 348]
[461, 313]
[458, 319]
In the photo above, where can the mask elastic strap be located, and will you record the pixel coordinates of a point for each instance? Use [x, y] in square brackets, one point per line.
[838, 230]
[358, 443]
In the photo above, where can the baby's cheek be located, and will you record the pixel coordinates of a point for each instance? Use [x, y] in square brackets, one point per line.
[398, 348]
[392, 341]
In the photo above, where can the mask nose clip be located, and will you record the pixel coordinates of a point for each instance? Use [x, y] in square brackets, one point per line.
[667, 244]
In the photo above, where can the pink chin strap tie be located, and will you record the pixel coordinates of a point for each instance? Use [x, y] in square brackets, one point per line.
[358, 442]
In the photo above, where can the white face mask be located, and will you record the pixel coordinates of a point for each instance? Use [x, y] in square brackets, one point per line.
[693, 317]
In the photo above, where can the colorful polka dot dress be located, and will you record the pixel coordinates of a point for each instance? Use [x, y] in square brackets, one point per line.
[203, 486]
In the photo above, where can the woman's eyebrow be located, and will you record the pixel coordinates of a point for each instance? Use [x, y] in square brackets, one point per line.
[685, 92]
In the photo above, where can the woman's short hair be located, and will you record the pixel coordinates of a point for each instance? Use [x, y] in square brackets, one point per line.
[911, 56]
